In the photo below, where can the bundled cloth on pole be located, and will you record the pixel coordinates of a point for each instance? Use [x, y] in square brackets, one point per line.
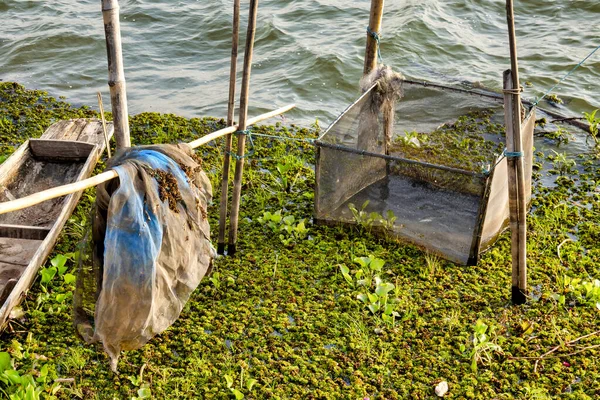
[151, 247]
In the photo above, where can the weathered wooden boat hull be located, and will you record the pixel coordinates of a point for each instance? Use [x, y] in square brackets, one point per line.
[67, 152]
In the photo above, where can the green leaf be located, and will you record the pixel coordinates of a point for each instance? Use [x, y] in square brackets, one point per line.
[30, 393]
[362, 261]
[13, 376]
[69, 278]
[289, 220]
[229, 381]
[373, 298]
[377, 264]
[144, 393]
[389, 309]
[238, 395]
[61, 297]
[48, 274]
[363, 297]
[59, 263]
[4, 361]
[384, 288]
[374, 307]
[250, 383]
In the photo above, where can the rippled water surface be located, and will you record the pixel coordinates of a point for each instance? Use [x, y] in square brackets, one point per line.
[307, 51]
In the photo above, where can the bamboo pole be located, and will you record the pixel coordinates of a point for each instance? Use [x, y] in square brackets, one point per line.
[371, 51]
[64, 190]
[230, 117]
[116, 72]
[241, 148]
[106, 138]
[518, 192]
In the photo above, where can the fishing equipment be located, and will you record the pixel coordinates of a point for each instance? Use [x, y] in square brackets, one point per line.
[150, 247]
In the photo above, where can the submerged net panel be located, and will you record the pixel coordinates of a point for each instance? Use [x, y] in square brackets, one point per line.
[430, 185]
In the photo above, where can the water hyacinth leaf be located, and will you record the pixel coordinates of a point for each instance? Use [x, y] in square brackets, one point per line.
[59, 263]
[289, 220]
[48, 274]
[374, 307]
[373, 298]
[13, 376]
[4, 361]
[250, 383]
[362, 261]
[389, 309]
[144, 393]
[377, 264]
[69, 278]
[238, 395]
[229, 381]
[384, 288]
[363, 297]
[346, 274]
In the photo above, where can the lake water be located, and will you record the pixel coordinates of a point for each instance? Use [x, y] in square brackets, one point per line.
[309, 52]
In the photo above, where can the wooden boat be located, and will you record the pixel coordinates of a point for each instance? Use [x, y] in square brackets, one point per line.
[67, 152]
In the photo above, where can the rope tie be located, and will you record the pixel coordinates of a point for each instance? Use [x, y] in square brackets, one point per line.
[513, 91]
[377, 38]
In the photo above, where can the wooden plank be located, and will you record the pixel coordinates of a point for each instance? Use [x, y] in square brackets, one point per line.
[23, 232]
[57, 130]
[94, 133]
[60, 150]
[9, 168]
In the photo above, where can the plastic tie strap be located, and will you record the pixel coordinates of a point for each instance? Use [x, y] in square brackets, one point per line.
[377, 38]
[513, 154]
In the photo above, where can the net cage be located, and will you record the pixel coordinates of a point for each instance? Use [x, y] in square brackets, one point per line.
[428, 169]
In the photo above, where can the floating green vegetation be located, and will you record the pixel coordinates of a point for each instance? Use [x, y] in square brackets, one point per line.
[463, 144]
[285, 321]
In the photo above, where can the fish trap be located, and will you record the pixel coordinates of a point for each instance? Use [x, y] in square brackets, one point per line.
[429, 169]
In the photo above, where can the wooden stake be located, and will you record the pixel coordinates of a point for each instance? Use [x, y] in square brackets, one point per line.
[229, 138]
[239, 165]
[116, 72]
[517, 193]
[372, 45]
[106, 138]
[59, 191]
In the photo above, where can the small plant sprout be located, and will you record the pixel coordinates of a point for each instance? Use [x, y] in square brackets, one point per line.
[594, 123]
[245, 384]
[483, 347]
[364, 218]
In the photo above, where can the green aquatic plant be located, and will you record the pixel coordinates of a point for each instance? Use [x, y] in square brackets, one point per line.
[288, 311]
[594, 123]
[245, 384]
[483, 347]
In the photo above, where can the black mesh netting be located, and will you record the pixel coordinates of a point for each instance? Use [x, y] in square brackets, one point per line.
[422, 162]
